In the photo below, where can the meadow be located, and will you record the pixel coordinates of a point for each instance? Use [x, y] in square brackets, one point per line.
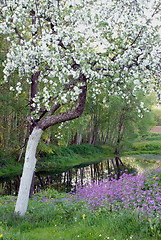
[123, 209]
[116, 209]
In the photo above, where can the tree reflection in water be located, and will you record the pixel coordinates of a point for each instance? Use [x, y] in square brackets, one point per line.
[67, 181]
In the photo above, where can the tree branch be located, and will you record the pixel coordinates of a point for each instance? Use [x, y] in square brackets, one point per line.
[17, 32]
[51, 120]
[154, 13]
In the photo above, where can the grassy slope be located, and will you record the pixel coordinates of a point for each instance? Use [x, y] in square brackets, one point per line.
[150, 144]
[59, 159]
[64, 158]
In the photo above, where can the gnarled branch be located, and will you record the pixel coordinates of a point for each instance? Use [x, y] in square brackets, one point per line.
[50, 120]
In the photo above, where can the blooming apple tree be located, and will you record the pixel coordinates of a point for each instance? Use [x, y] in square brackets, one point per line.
[58, 48]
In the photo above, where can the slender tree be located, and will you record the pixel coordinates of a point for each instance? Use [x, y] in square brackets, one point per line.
[60, 47]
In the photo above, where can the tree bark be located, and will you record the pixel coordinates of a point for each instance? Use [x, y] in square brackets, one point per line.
[28, 170]
[51, 119]
[37, 127]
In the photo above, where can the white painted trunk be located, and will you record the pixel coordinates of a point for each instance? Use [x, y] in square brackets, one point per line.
[28, 170]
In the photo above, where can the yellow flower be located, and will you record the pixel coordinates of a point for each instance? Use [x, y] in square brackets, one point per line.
[154, 177]
[83, 216]
[1, 235]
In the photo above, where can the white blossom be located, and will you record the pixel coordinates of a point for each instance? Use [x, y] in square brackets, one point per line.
[11, 88]
[117, 37]
[141, 104]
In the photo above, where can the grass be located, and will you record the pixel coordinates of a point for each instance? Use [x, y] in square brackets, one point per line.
[39, 224]
[57, 159]
[75, 155]
[9, 167]
[62, 219]
[60, 159]
[148, 144]
[83, 230]
[53, 215]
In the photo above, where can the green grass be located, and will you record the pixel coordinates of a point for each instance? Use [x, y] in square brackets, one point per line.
[150, 137]
[57, 159]
[44, 221]
[9, 167]
[64, 158]
[149, 144]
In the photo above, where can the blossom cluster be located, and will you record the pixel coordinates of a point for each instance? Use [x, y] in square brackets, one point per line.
[115, 45]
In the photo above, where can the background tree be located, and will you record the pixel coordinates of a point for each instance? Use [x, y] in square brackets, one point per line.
[113, 121]
[157, 114]
[55, 49]
[125, 122]
[13, 111]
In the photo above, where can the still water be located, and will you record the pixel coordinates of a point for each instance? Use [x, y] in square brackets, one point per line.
[115, 166]
[66, 181]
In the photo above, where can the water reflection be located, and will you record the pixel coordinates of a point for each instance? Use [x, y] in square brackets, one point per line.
[66, 181]
[142, 162]
[95, 172]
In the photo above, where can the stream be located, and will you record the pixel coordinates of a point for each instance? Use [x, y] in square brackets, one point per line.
[67, 181]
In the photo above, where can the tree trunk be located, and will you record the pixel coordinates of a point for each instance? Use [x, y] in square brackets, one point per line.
[46, 120]
[28, 170]
[24, 141]
[79, 138]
